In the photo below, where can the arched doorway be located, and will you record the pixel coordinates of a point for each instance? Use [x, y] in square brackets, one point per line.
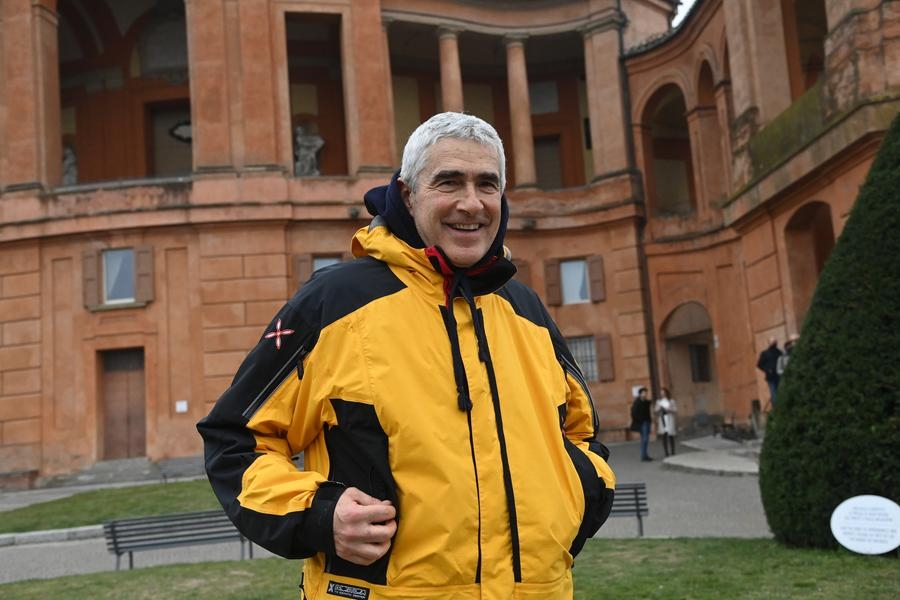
[690, 364]
[809, 239]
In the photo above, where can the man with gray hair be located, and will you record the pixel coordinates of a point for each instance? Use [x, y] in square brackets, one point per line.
[449, 438]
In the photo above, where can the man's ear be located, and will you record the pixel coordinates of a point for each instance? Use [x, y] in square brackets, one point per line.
[405, 193]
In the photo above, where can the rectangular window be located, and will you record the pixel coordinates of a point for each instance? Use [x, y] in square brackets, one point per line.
[320, 262]
[584, 350]
[118, 276]
[700, 370]
[574, 276]
[548, 163]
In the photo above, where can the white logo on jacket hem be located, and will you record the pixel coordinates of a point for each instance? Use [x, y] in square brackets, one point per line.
[347, 591]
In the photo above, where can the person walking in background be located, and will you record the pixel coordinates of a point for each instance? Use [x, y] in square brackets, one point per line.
[768, 364]
[640, 421]
[666, 423]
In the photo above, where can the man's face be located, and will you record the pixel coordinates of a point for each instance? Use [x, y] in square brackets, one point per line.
[457, 202]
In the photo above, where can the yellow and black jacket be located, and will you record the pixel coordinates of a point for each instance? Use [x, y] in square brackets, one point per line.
[469, 414]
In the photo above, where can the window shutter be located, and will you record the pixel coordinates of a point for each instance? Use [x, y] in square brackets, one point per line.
[523, 271]
[605, 370]
[143, 274]
[552, 283]
[90, 278]
[302, 269]
[595, 272]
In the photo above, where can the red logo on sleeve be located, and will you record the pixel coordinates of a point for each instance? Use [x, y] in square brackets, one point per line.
[277, 334]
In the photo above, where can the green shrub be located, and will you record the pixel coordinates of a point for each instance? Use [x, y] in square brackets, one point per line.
[835, 430]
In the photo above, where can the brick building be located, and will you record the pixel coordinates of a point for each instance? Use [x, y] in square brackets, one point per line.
[170, 171]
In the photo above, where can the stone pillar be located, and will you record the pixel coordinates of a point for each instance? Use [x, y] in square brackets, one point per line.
[604, 95]
[451, 76]
[520, 112]
[389, 88]
[862, 52]
[30, 67]
[257, 85]
[368, 119]
[723, 110]
[209, 93]
[708, 161]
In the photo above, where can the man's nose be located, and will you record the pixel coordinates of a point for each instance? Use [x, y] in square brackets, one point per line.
[469, 200]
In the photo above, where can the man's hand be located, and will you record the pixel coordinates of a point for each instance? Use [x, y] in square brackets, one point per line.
[363, 527]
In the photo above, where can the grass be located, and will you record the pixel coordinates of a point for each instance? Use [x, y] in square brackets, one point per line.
[670, 569]
[91, 508]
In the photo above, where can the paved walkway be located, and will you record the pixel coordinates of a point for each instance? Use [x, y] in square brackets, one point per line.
[709, 489]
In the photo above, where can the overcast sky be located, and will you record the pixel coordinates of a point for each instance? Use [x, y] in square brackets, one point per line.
[682, 10]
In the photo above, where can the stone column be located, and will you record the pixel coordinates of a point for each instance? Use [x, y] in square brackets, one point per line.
[368, 119]
[451, 76]
[209, 94]
[257, 84]
[520, 112]
[389, 89]
[723, 108]
[708, 162]
[604, 94]
[30, 68]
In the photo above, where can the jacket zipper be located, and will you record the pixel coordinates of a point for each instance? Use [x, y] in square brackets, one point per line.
[484, 353]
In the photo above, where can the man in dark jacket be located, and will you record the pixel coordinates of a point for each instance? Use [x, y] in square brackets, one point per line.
[768, 364]
[640, 421]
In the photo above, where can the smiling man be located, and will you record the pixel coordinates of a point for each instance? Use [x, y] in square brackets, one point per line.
[449, 438]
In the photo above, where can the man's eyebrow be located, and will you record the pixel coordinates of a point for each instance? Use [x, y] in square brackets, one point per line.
[456, 174]
[446, 174]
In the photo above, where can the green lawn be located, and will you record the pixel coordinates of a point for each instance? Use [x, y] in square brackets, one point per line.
[91, 508]
[675, 569]
[671, 569]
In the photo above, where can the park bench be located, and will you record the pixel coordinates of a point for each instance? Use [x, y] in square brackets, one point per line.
[631, 501]
[168, 531]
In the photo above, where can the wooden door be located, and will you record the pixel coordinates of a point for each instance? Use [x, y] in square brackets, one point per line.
[124, 420]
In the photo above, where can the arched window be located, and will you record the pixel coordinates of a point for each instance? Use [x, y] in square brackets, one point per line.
[809, 239]
[667, 151]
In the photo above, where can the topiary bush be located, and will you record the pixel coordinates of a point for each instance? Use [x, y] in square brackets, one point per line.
[835, 429]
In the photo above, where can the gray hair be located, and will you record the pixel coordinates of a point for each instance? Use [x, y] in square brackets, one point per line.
[448, 125]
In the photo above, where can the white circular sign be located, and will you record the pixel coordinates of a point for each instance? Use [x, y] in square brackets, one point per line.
[867, 524]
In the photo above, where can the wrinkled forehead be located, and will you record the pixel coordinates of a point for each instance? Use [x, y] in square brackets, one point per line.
[461, 155]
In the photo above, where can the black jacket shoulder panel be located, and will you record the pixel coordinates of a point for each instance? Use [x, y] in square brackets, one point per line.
[525, 302]
[336, 291]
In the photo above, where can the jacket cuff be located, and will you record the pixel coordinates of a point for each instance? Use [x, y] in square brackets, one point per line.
[319, 527]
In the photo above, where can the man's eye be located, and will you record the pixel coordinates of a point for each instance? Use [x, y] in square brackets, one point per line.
[489, 186]
[446, 184]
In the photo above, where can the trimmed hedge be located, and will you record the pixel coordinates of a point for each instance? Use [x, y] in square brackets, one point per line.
[835, 430]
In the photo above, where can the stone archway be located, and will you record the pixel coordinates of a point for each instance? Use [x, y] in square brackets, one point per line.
[690, 364]
[809, 239]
